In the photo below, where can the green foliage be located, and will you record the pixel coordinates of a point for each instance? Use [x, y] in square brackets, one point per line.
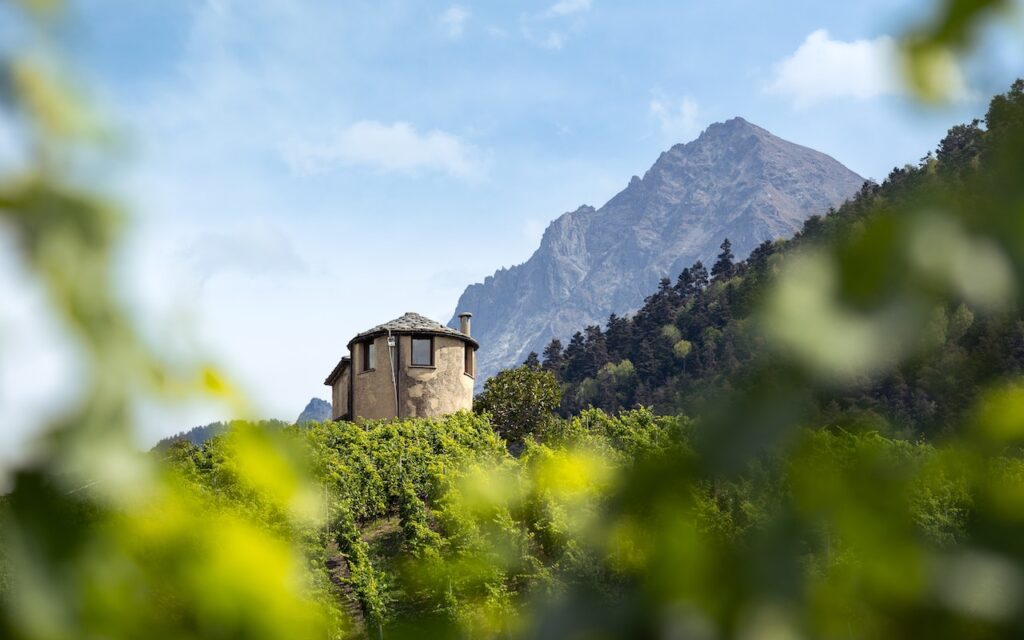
[614, 387]
[586, 514]
[5, 575]
[501, 531]
[682, 348]
[481, 533]
[99, 541]
[931, 50]
[484, 534]
[520, 401]
[900, 307]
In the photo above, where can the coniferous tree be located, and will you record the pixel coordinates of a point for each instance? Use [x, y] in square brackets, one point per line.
[576, 358]
[813, 227]
[645, 360]
[959, 149]
[532, 360]
[554, 360]
[667, 291]
[685, 285]
[1004, 118]
[758, 259]
[724, 266]
[659, 309]
[700, 276]
[617, 337]
[596, 351]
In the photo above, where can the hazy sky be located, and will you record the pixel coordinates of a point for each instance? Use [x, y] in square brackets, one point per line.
[300, 172]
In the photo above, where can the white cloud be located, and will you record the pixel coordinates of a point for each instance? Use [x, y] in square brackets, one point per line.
[677, 120]
[396, 147]
[249, 248]
[547, 29]
[453, 20]
[824, 69]
[566, 7]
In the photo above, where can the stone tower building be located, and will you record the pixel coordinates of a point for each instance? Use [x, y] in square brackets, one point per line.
[409, 367]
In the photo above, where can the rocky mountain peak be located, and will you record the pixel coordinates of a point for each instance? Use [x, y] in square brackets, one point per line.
[733, 126]
[735, 180]
[316, 410]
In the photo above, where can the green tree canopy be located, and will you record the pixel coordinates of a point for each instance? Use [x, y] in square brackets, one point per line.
[520, 401]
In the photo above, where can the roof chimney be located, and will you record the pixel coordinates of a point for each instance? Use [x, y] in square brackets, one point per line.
[464, 322]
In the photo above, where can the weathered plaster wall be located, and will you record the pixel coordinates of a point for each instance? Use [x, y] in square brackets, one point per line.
[438, 390]
[339, 394]
[372, 391]
[423, 391]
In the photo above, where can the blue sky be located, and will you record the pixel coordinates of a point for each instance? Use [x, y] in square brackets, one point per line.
[302, 171]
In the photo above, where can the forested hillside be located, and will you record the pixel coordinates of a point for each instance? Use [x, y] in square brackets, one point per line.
[700, 334]
[204, 433]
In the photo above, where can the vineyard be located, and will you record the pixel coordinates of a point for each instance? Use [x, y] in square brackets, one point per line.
[439, 531]
[434, 521]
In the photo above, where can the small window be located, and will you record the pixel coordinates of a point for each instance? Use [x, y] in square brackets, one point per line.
[368, 355]
[423, 352]
[468, 357]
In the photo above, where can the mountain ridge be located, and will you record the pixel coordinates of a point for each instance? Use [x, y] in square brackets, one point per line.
[734, 180]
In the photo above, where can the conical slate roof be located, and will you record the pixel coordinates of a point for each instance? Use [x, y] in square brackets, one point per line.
[413, 323]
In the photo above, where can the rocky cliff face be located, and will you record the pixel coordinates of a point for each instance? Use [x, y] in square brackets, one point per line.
[316, 411]
[735, 181]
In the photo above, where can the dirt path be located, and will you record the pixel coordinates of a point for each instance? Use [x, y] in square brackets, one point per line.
[384, 537]
[337, 565]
